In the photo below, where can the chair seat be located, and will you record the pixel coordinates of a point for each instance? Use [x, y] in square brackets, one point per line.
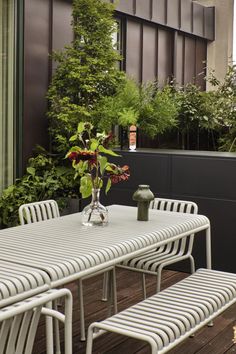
[150, 261]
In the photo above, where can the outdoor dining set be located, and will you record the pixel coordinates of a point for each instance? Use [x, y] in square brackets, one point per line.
[48, 251]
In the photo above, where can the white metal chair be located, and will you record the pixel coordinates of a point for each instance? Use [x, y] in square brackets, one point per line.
[38, 211]
[154, 261]
[48, 209]
[19, 322]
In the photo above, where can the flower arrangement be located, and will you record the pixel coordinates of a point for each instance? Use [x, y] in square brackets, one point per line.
[91, 163]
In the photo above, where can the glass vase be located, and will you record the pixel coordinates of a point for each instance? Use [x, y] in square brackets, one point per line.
[95, 214]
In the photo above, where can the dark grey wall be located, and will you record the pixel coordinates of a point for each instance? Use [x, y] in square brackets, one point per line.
[154, 52]
[206, 178]
[184, 15]
[36, 70]
[46, 28]
[155, 41]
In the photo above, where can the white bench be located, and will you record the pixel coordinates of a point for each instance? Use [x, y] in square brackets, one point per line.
[167, 318]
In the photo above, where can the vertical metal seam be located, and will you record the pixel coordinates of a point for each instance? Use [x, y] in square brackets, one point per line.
[19, 88]
[180, 13]
[192, 27]
[157, 51]
[174, 63]
[183, 61]
[195, 62]
[166, 12]
[50, 40]
[141, 52]
[151, 9]
[124, 40]
[134, 7]
[204, 24]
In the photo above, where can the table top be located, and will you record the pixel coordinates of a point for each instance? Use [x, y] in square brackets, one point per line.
[62, 247]
[18, 282]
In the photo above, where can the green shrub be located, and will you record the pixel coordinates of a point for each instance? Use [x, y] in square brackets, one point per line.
[87, 71]
[44, 179]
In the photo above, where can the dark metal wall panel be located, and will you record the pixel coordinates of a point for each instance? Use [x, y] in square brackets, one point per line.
[36, 74]
[126, 6]
[144, 9]
[133, 50]
[201, 54]
[159, 11]
[149, 53]
[209, 179]
[209, 22]
[189, 59]
[62, 29]
[186, 16]
[198, 19]
[165, 55]
[173, 13]
[62, 32]
[179, 74]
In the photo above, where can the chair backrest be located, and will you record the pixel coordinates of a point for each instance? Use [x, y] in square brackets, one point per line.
[38, 211]
[19, 322]
[182, 206]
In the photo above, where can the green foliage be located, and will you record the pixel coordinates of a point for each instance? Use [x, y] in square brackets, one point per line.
[194, 112]
[89, 161]
[44, 179]
[121, 108]
[158, 109]
[224, 108]
[86, 73]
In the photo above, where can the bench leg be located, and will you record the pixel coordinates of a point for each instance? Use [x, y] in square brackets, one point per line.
[81, 308]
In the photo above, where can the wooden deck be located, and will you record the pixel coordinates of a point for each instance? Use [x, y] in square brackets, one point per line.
[210, 340]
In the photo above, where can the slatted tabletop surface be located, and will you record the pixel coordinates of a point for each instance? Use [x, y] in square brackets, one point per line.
[18, 282]
[66, 250]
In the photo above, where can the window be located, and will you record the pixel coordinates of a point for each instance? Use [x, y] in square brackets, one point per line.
[7, 61]
[117, 40]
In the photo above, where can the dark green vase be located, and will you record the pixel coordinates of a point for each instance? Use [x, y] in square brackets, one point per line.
[143, 196]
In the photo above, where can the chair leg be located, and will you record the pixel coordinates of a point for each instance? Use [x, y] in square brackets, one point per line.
[144, 286]
[159, 271]
[192, 264]
[81, 307]
[105, 286]
[89, 346]
[49, 331]
[114, 290]
[57, 330]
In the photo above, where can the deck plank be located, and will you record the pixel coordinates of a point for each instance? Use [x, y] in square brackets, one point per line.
[209, 340]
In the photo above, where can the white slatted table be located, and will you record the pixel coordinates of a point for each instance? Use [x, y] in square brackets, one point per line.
[66, 250]
[19, 282]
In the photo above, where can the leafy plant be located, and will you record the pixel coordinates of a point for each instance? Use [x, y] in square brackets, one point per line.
[90, 161]
[44, 179]
[158, 109]
[86, 73]
[224, 109]
[121, 108]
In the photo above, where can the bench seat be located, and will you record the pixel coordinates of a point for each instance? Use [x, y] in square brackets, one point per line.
[167, 318]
